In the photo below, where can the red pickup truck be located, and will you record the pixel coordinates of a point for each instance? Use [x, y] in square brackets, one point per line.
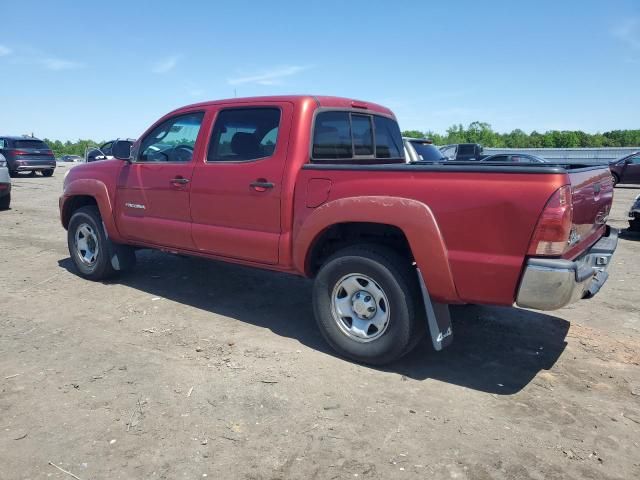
[318, 187]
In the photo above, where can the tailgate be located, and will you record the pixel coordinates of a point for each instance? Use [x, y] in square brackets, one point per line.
[592, 195]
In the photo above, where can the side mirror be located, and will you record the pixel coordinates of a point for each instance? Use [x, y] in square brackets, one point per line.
[121, 150]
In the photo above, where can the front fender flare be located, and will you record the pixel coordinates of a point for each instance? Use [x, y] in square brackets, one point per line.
[413, 218]
[98, 190]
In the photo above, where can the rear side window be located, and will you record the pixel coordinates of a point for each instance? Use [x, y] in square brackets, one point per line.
[353, 136]
[466, 150]
[36, 144]
[244, 134]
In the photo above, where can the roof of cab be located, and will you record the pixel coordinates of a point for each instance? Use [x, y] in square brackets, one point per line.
[319, 100]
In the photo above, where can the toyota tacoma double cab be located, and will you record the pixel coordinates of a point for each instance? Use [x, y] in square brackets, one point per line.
[319, 187]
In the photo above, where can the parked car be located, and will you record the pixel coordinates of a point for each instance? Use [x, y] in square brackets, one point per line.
[421, 150]
[318, 187]
[70, 158]
[103, 152]
[513, 158]
[634, 215]
[626, 169]
[5, 184]
[27, 154]
[463, 152]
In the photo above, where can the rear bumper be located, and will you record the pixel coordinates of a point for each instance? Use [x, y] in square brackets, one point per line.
[25, 167]
[549, 284]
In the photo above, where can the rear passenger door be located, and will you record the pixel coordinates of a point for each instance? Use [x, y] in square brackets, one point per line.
[236, 191]
[632, 170]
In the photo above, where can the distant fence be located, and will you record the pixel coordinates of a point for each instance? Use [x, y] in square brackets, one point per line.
[590, 155]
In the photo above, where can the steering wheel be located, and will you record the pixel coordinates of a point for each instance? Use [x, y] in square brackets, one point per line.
[183, 153]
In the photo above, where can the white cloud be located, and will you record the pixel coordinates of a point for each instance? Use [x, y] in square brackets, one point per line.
[165, 65]
[270, 77]
[57, 64]
[628, 32]
[4, 50]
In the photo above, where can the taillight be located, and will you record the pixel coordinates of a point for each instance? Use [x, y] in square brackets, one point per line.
[20, 152]
[553, 231]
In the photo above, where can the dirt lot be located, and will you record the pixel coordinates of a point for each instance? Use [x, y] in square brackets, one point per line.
[194, 369]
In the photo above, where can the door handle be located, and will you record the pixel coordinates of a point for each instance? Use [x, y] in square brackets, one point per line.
[179, 180]
[261, 185]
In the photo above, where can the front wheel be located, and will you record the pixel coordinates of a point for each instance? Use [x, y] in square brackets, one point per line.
[94, 255]
[615, 179]
[365, 301]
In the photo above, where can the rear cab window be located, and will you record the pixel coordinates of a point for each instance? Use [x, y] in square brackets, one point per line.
[354, 137]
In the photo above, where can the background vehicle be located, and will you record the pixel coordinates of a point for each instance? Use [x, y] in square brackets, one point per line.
[513, 158]
[626, 169]
[5, 184]
[421, 150]
[27, 154]
[318, 187]
[463, 152]
[70, 158]
[103, 152]
[634, 215]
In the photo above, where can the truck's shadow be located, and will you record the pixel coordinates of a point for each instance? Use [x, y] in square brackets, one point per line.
[496, 350]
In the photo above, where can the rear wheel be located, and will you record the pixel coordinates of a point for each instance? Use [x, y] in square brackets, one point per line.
[634, 225]
[47, 173]
[5, 202]
[92, 252]
[365, 301]
[13, 173]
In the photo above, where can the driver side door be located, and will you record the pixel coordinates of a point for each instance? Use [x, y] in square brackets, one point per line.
[153, 190]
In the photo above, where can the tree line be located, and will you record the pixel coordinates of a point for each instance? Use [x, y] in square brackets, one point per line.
[482, 133]
[70, 148]
[475, 132]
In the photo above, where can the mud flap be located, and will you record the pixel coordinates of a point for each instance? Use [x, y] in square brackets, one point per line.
[438, 318]
[122, 257]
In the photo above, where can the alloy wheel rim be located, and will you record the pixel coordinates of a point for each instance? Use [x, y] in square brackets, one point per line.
[87, 247]
[360, 307]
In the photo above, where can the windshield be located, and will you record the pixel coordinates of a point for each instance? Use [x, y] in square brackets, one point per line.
[427, 152]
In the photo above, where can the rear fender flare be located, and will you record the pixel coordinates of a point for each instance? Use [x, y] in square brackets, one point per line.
[413, 218]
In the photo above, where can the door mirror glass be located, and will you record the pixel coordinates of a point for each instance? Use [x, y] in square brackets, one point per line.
[121, 149]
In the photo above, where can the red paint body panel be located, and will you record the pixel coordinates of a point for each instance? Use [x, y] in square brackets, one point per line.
[468, 231]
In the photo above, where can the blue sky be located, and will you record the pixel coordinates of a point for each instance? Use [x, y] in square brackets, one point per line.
[100, 70]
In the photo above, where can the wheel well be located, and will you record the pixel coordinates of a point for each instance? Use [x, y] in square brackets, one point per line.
[73, 204]
[342, 235]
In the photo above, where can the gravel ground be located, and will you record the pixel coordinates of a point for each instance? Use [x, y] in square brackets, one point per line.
[193, 369]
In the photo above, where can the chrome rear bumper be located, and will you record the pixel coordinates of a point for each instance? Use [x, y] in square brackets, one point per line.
[549, 284]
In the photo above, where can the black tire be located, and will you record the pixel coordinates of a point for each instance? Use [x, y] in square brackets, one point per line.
[634, 225]
[107, 252]
[47, 173]
[13, 173]
[397, 278]
[615, 179]
[5, 202]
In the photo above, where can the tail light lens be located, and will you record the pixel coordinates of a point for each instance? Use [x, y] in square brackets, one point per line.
[20, 152]
[553, 231]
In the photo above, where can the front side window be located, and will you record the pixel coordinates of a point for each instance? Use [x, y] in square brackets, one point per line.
[636, 159]
[353, 136]
[244, 134]
[173, 140]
